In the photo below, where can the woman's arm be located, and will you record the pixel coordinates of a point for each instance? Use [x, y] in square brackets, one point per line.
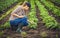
[18, 15]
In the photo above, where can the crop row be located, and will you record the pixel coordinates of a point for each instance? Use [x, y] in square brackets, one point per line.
[32, 16]
[49, 21]
[51, 6]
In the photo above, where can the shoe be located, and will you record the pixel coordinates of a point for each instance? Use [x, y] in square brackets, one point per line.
[18, 30]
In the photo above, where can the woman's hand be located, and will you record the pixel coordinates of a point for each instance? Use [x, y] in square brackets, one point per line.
[30, 21]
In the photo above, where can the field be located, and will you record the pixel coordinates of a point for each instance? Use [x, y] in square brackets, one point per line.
[44, 20]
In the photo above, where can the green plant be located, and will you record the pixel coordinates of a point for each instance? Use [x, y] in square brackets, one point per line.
[32, 16]
[43, 34]
[23, 34]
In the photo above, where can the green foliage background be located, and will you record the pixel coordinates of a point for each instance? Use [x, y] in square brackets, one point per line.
[6, 3]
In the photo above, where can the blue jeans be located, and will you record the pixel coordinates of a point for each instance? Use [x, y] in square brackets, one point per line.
[16, 22]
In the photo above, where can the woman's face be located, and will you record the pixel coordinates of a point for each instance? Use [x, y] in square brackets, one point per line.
[26, 8]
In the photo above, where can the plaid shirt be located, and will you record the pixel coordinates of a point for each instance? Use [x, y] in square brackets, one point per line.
[19, 11]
